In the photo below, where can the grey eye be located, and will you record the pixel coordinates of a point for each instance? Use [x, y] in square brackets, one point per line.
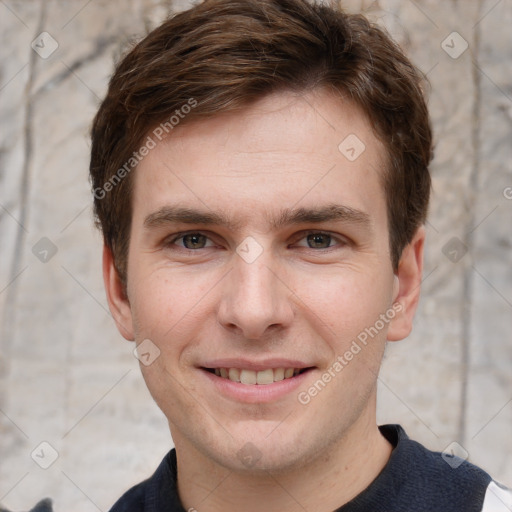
[194, 241]
[319, 240]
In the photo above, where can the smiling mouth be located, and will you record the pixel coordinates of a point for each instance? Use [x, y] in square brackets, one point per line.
[251, 377]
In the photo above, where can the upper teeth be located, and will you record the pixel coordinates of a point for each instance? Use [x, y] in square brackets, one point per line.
[252, 377]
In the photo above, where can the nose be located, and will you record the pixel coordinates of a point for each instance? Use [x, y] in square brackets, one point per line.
[255, 299]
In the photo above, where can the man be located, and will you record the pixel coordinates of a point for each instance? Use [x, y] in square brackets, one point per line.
[260, 176]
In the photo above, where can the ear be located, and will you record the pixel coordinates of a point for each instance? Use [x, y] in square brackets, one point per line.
[117, 300]
[407, 287]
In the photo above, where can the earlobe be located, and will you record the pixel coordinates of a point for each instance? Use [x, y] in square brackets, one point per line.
[116, 296]
[406, 290]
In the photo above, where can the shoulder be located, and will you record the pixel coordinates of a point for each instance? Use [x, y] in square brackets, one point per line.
[145, 496]
[132, 500]
[438, 481]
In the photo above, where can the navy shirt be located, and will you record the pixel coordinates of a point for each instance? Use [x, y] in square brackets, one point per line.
[414, 479]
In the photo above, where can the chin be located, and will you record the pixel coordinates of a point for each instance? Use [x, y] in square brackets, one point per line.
[251, 460]
[263, 448]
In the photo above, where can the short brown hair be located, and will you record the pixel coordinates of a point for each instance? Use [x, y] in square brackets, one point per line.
[222, 55]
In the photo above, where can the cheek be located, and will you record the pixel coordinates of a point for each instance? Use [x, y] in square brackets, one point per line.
[169, 308]
[344, 301]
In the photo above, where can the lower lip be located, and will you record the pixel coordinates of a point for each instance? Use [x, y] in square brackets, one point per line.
[256, 393]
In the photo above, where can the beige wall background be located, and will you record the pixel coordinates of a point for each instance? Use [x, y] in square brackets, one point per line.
[68, 380]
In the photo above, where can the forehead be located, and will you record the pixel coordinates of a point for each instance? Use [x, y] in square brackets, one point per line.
[285, 150]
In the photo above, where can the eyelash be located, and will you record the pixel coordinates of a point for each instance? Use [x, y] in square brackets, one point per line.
[342, 242]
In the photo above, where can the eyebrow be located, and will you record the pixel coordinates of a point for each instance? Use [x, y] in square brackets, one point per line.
[328, 213]
[289, 216]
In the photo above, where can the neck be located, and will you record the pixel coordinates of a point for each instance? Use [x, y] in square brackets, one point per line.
[330, 480]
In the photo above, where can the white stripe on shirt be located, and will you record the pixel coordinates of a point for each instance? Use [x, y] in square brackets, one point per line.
[497, 499]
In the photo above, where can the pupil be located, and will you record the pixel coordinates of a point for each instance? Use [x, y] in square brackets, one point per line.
[319, 240]
[194, 241]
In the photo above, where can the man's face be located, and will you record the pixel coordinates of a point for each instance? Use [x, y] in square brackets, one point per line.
[280, 260]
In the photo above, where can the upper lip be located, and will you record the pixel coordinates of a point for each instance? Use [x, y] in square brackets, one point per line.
[256, 366]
